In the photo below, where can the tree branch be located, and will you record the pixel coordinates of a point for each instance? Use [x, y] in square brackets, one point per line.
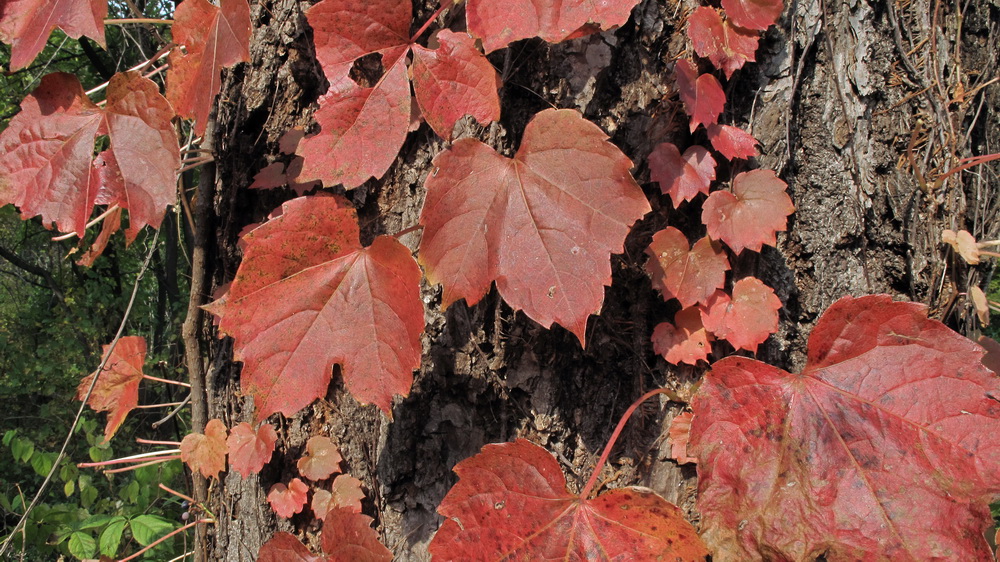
[21, 263]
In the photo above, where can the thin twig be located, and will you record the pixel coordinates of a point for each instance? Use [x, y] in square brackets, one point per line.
[173, 413]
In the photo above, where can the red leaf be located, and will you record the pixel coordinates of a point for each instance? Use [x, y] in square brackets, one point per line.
[732, 142]
[746, 319]
[117, 389]
[678, 437]
[688, 273]
[687, 342]
[454, 80]
[284, 547]
[885, 447]
[542, 225]
[702, 95]
[216, 37]
[753, 14]
[511, 502]
[307, 296]
[249, 451]
[346, 30]
[346, 492]
[348, 537]
[25, 25]
[320, 460]
[727, 46]
[501, 23]
[206, 453]
[110, 226]
[681, 177]
[752, 214]
[286, 501]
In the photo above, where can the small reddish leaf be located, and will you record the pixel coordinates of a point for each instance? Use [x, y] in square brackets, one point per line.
[681, 177]
[25, 25]
[684, 341]
[678, 436]
[718, 40]
[542, 225]
[702, 95]
[746, 319]
[111, 224]
[320, 460]
[345, 492]
[286, 501]
[346, 30]
[750, 216]
[249, 451]
[732, 142]
[885, 447]
[270, 177]
[348, 537]
[511, 500]
[284, 547]
[688, 273]
[753, 14]
[117, 389]
[206, 453]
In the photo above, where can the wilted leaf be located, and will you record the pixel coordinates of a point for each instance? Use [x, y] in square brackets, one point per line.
[345, 492]
[684, 341]
[26, 24]
[752, 214]
[746, 319]
[702, 95]
[732, 142]
[681, 177]
[286, 501]
[249, 451]
[109, 226]
[320, 460]
[678, 436]
[206, 453]
[992, 358]
[688, 273]
[753, 14]
[981, 304]
[964, 243]
[727, 46]
[117, 389]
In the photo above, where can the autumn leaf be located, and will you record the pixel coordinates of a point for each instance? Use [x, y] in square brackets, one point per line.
[206, 453]
[25, 25]
[117, 389]
[346, 537]
[885, 447]
[753, 14]
[288, 500]
[702, 94]
[284, 547]
[308, 296]
[542, 225]
[964, 243]
[732, 142]
[747, 318]
[250, 450]
[109, 226]
[320, 460]
[344, 492]
[992, 358]
[511, 502]
[750, 216]
[728, 47]
[688, 273]
[684, 341]
[681, 177]
[678, 436]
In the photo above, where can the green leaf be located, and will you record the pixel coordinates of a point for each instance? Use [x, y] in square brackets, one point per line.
[130, 493]
[98, 520]
[8, 436]
[82, 545]
[69, 487]
[42, 463]
[5, 503]
[22, 449]
[88, 496]
[111, 536]
[68, 471]
[148, 528]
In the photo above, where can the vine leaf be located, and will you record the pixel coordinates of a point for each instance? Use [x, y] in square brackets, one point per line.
[308, 296]
[117, 389]
[753, 14]
[691, 274]
[25, 25]
[206, 453]
[747, 318]
[732, 142]
[678, 436]
[684, 341]
[320, 460]
[885, 447]
[215, 37]
[345, 492]
[250, 450]
[702, 94]
[964, 243]
[501, 23]
[288, 500]
[511, 502]
[728, 47]
[346, 537]
[284, 547]
[542, 225]
[681, 177]
[750, 216]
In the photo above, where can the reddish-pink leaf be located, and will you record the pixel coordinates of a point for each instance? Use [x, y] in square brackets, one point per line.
[732, 142]
[681, 177]
[718, 40]
[286, 501]
[250, 450]
[452, 81]
[308, 296]
[270, 177]
[346, 30]
[684, 341]
[542, 225]
[511, 502]
[688, 273]
[215, 37]
[678, 437]
[501, 23]
[885, 447]
[26, 24]
[345, 492]
[206, 453]
[750, 216]
[746, 319]
[320, 460]
[117, 389]
[284, 547]
[702, 95]
[753, 14]
[110, 226]
[348, 537]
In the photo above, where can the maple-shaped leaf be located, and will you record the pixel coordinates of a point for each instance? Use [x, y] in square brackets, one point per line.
[678, 436]
[885, 447]
[681, 177]
[308, 296]
[752, 214]
[344, 492]
[320, 460]
[691, 274]
[288, 500]
[346, 537]
[684, 341]
[747, 318]
[284, 547]
[250, 450]
[502, 23]
[702, 94]
[753, 14]
[542, 225]
[206, 453]
[215, 37]
[117, 389]
[26, 24]
[511, 503]
[718, 40]
[732, 142]
[48, 148]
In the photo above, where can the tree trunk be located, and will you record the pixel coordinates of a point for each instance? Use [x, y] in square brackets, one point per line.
[852, 102]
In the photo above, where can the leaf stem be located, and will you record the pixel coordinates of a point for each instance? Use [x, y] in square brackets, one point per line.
[178, 494]
[165, 537]
[171, 453]
[444, 6]
[151, 442]
[123, 21]
[167, 381]
[142, 464]
[98, 219]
